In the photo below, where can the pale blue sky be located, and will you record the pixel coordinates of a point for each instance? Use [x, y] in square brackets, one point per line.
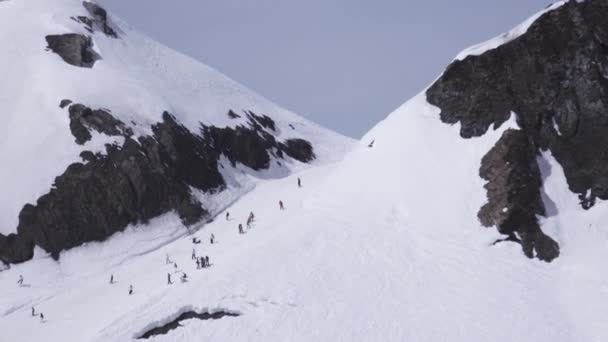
[345, 64]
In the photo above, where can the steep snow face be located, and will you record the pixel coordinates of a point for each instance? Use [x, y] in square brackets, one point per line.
[117, 87]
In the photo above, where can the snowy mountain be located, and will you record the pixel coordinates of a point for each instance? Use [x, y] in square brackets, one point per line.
[104, 128]
[389, 243]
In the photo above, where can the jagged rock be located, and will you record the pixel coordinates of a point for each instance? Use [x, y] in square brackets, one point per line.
[298, 149]
[74, 49]
[263, 120]
[553, 78]
[100, 19]
[83, 119]
[233, 115]
[64, 103]
[514, 194]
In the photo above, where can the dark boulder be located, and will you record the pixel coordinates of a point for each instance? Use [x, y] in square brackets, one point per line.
[298, 149]
[74, 49]
[64, 103]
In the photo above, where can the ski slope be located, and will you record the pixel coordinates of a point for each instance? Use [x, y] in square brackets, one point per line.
[361, 253]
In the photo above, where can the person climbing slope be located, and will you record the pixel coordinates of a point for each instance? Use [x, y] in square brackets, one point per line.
[299, 182]
[281, 206]
[169, 282]
[241, 228]
[212, 238]
[130, 290]
[20, 281]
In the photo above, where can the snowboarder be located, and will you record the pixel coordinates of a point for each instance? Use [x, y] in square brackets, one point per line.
[212, 239]
[299, 182]
[41, 317]
[33, 312]
[169, 282]
[193, 254]
[227, 216]
[281, 206]
[111, 279]
[20, 281]
[130, 290]
[207, 260]
[240, 228]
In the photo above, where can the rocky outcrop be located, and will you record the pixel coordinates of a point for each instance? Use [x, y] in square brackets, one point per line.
[83, 120]
[554, 78]
[139, 179]
[514, 194]
[99, 19]
[74, 49]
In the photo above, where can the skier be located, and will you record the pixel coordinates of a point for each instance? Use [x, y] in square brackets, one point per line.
[240, 228]
[207, 260]
[33, 312]
[193, 254]
[167, 260]
[20, 281]
[251, 216]
[169, 282]
[299, 182]
[130, 290]
[198, 264]
[184, 278]
[41, 317]
[212, 238]
[111, 279]
[281, 206]
[175, 265]
[371, 144]
[227, 216]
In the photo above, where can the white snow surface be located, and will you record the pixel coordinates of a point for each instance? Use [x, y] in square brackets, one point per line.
[384, 245]
[137, 79]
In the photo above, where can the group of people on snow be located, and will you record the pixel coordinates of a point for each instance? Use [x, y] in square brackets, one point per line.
[201, 262]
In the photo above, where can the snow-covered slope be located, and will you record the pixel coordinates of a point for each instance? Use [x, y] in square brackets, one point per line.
[385, 245]
[134, 80]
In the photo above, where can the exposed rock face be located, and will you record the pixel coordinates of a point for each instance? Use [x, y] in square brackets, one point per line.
[514, 194]
[554, 78]
[141, 179]
[84, 119]
[99, 19]
[75, 49]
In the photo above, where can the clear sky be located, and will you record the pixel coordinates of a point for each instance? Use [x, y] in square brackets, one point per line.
[345, 64]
